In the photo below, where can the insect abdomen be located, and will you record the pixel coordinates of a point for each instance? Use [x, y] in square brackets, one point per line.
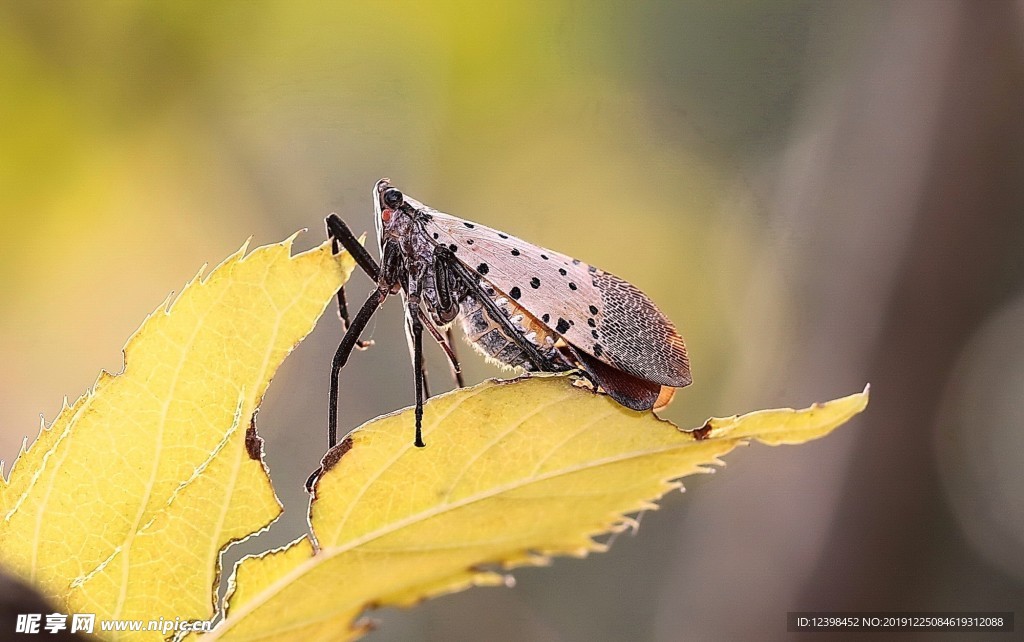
[493, 340]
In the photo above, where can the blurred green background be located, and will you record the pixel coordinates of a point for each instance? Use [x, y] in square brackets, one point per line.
[819, 194]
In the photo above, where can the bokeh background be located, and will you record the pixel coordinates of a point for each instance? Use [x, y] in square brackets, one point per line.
[820, 194]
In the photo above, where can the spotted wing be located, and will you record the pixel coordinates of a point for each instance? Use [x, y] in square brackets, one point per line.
[595, 311]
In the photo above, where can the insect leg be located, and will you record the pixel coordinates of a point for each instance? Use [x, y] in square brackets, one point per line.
[348, 342]
[340, 237]
[426, 386]
[339, 233]
[448, 346]
[453, 359]
[417, 338]
[412, 349]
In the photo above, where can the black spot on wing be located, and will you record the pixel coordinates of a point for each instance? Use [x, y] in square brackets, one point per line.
[483, 268]
[515, 293]
[515, 252]
[562, 327]
[534, 283]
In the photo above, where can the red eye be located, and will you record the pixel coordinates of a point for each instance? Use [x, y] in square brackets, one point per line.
[386, 216]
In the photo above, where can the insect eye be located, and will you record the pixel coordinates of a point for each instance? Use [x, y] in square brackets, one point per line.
[393, 198]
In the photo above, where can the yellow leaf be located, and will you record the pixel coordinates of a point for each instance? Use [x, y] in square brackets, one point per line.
[513, 474]
[122, 506]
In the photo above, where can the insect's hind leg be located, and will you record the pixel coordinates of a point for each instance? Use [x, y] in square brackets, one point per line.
[342, 237]
[448, 347]
[454, 361]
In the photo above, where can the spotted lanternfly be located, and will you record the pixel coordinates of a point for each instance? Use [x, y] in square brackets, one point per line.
[519, 304]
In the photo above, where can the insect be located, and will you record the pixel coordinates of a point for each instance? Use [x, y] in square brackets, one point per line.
[519, 304]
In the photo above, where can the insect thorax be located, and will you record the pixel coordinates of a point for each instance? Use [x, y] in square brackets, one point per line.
[494, 341]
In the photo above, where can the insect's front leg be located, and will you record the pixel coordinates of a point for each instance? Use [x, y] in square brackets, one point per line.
[342, 237]
[348, 343]
[340, 234]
